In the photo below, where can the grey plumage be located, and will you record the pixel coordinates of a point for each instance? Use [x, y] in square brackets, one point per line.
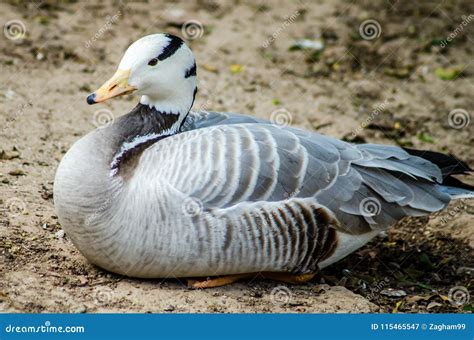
[340, 175]
[262, 198]
[165, 192]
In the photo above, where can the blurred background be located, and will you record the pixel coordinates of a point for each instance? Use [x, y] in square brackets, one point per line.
[384, 71]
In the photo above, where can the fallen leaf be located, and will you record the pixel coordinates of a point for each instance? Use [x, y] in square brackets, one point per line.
[17, 172]
[400, 73]
[416, 298]
[8, 155]
[444, 297]
[433, 305]
[236, 68]
[397, 306]
[425, 137]
[449, 73]
[209, 68]
[468, 308]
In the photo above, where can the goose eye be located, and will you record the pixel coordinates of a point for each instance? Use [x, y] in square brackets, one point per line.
[153, 62]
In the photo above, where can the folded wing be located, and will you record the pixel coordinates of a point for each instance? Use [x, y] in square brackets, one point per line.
[227, 160]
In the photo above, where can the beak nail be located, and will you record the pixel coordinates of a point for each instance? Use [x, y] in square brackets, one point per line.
[91, 99]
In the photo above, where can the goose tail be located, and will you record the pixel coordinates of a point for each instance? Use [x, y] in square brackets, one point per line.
[449, 165]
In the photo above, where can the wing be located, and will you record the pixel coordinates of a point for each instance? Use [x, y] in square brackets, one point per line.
[224, 162]
[280, 199]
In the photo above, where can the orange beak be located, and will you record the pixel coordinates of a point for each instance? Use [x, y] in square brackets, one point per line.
[114, 87]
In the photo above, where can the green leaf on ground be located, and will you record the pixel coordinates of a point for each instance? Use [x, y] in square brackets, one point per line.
[425, 137]
[468, 308]
[449, 73]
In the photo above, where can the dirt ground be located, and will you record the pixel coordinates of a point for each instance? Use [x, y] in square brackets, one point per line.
[400, 83]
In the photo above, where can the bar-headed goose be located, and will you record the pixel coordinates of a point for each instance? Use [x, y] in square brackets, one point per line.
[167, 192]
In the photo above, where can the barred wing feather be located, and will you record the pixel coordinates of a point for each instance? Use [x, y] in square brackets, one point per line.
[227, 160]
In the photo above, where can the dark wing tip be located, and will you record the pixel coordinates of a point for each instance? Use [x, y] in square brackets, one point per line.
[448, 163]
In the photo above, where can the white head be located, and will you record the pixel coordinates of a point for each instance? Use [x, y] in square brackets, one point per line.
[159, 67]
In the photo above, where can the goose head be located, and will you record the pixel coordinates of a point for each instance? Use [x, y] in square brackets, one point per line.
[160, 68]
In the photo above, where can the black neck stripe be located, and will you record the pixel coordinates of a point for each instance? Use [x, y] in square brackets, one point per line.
[174, 45]
[148, 124]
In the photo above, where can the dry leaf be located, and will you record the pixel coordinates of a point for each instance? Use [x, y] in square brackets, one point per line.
[209, 68]
[236, 68]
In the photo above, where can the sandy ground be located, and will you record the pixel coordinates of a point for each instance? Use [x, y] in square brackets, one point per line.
[391, 85]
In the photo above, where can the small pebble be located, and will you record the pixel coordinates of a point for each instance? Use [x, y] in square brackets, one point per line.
[80, 310]
[169, 308]
[10, 94]
[307, 44]
[393, 292]
[465, 270]
[175, 13]
[59, 234]
[82, 280]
